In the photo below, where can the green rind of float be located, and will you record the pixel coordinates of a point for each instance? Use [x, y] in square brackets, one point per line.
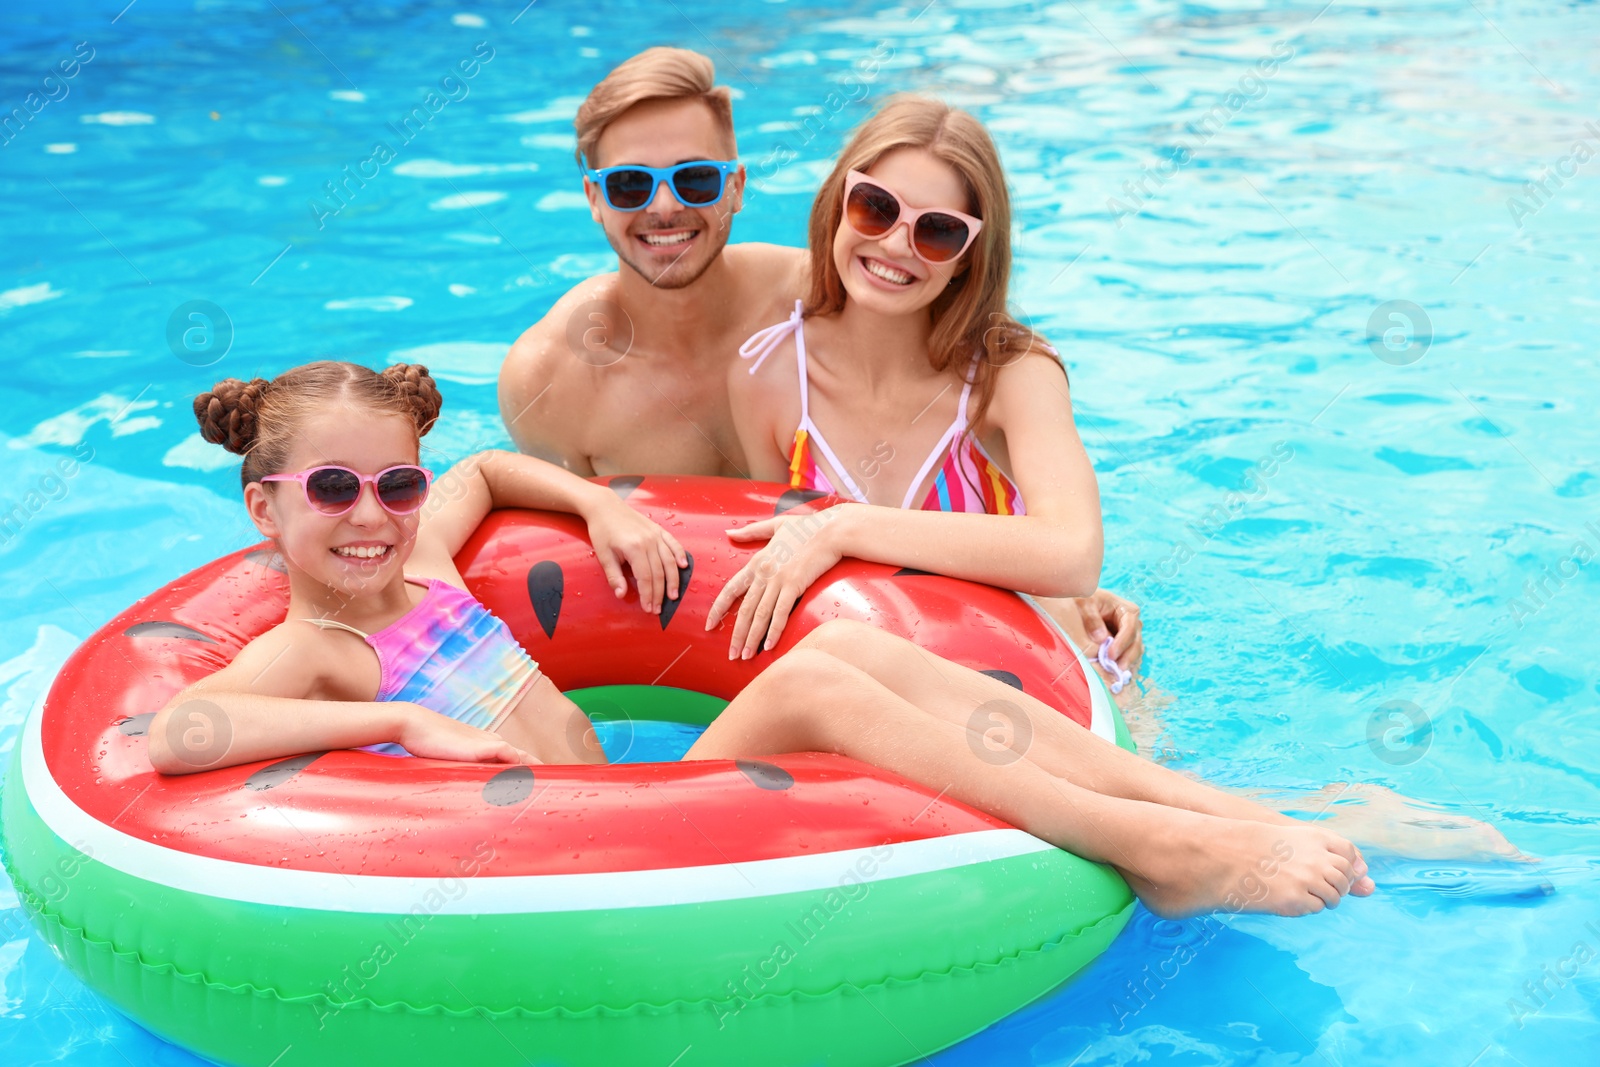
[1124, 738]
[608, 703]
[240, 983]
[659, 703]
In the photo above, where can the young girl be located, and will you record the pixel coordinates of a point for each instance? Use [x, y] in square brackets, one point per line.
[330, 473]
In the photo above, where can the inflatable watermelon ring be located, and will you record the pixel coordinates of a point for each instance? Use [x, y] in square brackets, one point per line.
[342, 906]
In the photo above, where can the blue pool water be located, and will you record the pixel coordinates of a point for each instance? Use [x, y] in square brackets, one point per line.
[1292, 234]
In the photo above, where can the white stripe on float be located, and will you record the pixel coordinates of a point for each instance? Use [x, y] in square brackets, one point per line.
[487, 893]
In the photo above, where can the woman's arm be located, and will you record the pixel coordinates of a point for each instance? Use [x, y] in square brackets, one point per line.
[464, 495]
[258, 707]
[762, 404]
[1054, 550]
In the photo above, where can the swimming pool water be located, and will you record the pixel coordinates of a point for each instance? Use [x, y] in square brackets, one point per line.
[1331, 355]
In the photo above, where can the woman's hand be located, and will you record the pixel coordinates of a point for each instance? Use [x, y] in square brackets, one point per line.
[799, 551]
[1108, 615]
[618, 534]
[424, 732]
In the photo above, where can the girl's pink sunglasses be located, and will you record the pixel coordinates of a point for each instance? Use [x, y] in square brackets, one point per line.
[334, 490]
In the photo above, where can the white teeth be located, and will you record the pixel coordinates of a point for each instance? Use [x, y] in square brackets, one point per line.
[362, 553]
[886, 273]
[663, 242]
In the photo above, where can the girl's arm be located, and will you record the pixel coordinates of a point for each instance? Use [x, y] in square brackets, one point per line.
[1054, 550]
[464, 495]
[258, 708]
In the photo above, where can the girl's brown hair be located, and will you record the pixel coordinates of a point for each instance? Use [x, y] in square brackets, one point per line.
[971, 312]
[260, 419]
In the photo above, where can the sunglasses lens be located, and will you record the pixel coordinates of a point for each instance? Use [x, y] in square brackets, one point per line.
[403, 490]
[871, 210]
[940, 237]
[628, 190]
[698, 185]
[332, 490]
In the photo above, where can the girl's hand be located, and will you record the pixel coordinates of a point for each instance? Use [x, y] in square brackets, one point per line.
[618, 534]
[798, 553]
[424, 732]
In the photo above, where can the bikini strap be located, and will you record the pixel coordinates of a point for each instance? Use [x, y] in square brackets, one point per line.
[325, 623]
[761, 343]
[948, 439]
[966, 391]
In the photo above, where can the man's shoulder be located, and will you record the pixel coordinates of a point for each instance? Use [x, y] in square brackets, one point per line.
[533, 350]
[536, 355]
[777, 266]
[538, 360]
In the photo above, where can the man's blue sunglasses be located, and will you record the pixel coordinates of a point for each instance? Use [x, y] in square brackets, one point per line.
[630, 187]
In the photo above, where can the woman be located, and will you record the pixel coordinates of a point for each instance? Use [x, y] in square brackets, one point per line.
[903, 385]
[932, 396]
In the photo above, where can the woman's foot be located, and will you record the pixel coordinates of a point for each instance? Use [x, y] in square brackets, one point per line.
[1414, 828]
[1200, 863]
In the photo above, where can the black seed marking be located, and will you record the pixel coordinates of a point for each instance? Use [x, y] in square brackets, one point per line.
[274, 775]
[793, 498]
[1004, 676]
[511, 786]
[267, 558]
[546, 584]
[167, 629]
[137, 726]
[624, 484]
[669, 608]
[765, 775]
[912, 572]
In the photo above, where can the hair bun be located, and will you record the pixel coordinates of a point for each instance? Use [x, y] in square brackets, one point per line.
[227, 414]
[416, 387]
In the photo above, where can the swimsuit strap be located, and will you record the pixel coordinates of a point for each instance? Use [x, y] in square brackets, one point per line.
[947, 440]
[760, 344]
[807, 427]
[810, 428]
[966, 390]
[325, 623]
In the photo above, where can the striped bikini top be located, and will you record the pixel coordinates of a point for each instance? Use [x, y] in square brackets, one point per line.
[449, 654]
[968, 479]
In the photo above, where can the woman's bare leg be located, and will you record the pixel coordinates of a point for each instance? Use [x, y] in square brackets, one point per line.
[1015, 723]
[1180, 862]
[966, 697]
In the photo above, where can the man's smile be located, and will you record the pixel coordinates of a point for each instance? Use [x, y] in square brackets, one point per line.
[667, 240]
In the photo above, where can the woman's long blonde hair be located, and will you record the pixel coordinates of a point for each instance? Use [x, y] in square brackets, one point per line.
[971, 312]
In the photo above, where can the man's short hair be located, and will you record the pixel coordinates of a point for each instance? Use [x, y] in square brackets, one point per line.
[654, 74]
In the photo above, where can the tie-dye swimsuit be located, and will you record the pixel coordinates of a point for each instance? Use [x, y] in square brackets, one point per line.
[969, 480]
[449, 654]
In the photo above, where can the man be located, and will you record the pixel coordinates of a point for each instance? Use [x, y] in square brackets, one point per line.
[626, 373]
